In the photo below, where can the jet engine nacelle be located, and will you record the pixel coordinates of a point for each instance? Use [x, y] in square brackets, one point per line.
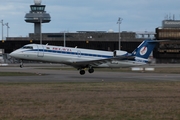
[117, 53]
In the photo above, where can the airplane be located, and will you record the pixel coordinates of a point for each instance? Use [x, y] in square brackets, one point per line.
[85, 58]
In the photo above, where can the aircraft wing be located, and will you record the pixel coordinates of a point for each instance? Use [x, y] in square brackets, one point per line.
[95, 63]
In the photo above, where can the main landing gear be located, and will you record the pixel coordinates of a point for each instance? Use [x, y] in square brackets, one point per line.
[91, 70]
[82, 71]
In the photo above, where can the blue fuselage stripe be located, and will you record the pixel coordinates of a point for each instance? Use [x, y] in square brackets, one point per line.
[71, 53]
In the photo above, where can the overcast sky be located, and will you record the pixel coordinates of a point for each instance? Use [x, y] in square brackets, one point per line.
[83, 15]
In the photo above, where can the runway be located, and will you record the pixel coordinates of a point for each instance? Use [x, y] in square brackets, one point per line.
[53, 76]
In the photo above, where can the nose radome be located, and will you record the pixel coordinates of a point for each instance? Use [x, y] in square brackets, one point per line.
[13, 54]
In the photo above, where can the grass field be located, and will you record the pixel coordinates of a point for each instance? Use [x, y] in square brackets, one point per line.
[90, 101]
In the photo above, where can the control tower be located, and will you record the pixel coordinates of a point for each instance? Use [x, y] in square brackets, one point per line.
[37, 15]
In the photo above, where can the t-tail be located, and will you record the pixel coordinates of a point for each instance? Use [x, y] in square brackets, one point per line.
[143, 51]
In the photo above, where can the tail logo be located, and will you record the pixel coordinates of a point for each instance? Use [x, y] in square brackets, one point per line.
[143, 50]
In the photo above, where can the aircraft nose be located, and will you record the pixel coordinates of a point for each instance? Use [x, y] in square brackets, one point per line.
[13, 54]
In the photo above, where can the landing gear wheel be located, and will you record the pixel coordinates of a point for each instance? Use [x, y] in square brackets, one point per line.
[21, 65]
[82, 72]
[91, 70]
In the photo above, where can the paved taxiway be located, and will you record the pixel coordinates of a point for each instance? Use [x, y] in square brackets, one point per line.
[73, 76]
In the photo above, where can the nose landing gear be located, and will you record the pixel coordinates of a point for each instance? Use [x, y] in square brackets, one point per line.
[21, 64]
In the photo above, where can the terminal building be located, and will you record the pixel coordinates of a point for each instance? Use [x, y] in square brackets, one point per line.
[165, 52]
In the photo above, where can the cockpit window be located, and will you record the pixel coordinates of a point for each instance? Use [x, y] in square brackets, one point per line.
[27, 47]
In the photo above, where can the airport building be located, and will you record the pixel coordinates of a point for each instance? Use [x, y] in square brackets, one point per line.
[168, 51]
[165, 52]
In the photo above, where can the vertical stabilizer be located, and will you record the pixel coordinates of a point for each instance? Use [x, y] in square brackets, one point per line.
[144, 49]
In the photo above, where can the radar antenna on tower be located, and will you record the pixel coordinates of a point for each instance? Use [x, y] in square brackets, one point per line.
[37, 2]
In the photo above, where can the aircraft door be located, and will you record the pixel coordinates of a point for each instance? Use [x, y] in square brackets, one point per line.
[40, 51]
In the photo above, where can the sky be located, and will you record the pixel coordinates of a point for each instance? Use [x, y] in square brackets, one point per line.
[92, 15]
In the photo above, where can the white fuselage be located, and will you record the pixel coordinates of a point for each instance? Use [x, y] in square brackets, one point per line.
[69, 55]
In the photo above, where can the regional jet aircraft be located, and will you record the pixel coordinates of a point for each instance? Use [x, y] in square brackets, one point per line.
[86, 58]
